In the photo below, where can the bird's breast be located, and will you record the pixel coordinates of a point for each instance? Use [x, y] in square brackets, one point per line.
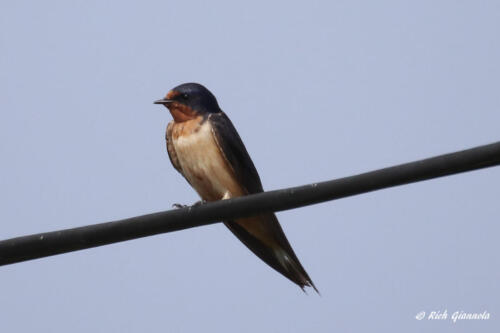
[202, 162]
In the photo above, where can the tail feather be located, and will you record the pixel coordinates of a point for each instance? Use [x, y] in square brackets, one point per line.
[294, 267]
[279, 255]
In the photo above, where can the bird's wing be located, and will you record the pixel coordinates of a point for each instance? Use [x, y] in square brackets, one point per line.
[261, 234]
[235, 153]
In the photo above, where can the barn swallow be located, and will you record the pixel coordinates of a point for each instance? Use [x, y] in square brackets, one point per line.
[205, 148]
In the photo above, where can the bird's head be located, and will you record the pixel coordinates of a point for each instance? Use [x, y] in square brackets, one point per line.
[188, 101]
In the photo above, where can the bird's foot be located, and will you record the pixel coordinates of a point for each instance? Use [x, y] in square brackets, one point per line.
[196, 204]
[178, 206]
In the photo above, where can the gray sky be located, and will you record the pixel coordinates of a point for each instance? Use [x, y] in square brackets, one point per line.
[317, 90]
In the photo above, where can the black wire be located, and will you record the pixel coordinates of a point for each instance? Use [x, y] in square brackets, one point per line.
[56, 242]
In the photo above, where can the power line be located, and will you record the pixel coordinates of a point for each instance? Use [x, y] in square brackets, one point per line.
[56, 242]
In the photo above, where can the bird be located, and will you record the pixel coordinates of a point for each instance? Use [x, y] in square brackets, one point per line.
[204, 146]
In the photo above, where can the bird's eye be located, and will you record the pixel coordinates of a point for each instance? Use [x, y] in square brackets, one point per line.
[185, 96]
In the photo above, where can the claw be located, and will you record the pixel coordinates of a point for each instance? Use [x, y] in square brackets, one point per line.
[199, 203]
[178, 206]
[196, 204]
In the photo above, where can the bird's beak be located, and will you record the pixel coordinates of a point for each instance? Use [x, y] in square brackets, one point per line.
[163, 101]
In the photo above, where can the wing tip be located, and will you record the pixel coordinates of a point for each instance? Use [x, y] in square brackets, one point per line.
[295, 271]
[310, 284]
[305, 281]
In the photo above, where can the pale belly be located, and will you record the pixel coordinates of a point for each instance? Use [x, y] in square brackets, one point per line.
[204, 166]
